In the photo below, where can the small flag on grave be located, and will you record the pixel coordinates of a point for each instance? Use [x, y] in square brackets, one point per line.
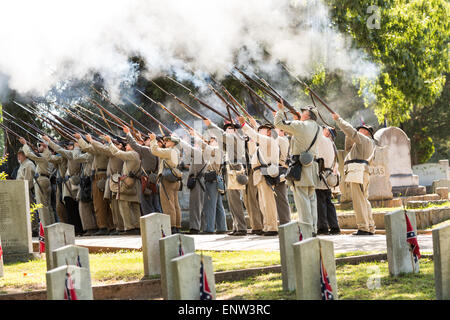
[78, 261]
[205, 292]
[1, 250]
[325, 287]
[300, 238]
[41, 238]
[69, 289]
[411, 238]
[163, 235]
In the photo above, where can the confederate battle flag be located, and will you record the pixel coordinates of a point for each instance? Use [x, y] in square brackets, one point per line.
[300, 238]
[325, 288]
[205, 292]
[411, 238]
[41, 238]
[1, 251]
[69, 290]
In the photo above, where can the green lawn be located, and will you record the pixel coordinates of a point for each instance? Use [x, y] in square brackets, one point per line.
[126, 266]
[352, 284]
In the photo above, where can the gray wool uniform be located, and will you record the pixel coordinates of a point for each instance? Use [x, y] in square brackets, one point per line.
[26, 171]
[234, 145]
[196, 195]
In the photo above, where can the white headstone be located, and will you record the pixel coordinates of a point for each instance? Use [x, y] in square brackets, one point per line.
[1, 258]
[441, 259]
[71, 255]
[57, 235]
[399, 156]
[289, 234]
[429, 172]
[307, 268]
[170, 249]
[15, 220]
[380, 187]
[399, 254]
[81, 280]
[187, 276]
[153, 226]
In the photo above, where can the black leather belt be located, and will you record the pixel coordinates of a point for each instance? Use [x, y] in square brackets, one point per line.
[44, 175]
[356, 161]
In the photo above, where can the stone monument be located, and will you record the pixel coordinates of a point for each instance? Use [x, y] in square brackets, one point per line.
[289, 234]
[186, 275]
[71, 255]
[441, 258]
[307, 268]
[430, 172]
[169, 249]
[154, 226]
[15, 221]
[57, 235]
[399, 161]
[81, 280]
[399, 254]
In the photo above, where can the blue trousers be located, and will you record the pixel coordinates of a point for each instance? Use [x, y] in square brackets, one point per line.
[213, 209]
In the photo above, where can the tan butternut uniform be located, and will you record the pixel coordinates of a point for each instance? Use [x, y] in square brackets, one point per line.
[303, 133]
[102, 209]
[362, 148]
[26, 171]
[168, 191]
[114, 166]
[268, 153]
[42, 188]
[129, 203]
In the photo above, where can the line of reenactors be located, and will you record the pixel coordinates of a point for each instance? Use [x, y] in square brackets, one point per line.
[103, 188]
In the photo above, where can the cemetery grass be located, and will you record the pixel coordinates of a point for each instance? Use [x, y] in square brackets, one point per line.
[353, 281]
[127, 266]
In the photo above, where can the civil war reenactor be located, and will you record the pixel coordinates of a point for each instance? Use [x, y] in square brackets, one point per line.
[251, 191]
[195, 184]
[102, 209]
[114, 168]
[356, 168]
[303, 172]
[127, 186]
[281, 189]
[327, 222]
[71, 182]
[84, 194]
[213, 211]
[236, 179]
[169, 177]
[264, 163]
[60, 165]
[26, 171]
[42, 188]
[150, 163]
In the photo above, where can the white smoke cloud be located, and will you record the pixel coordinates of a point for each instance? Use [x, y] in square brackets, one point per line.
[47, 42]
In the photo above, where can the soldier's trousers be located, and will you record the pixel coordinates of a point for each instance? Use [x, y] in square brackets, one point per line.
[362, 207]
[149, 203]
[252, 204]
[283, 208]
[42, 191]
[117, 218]
[73, 214]
[196, 196]
[86, 210]
[306, 203]
[103, 214]
[326, 212]
[60, 207]
[266, 199]
[236, 209]
[130, 213]
[215, 219]
[168, 194]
